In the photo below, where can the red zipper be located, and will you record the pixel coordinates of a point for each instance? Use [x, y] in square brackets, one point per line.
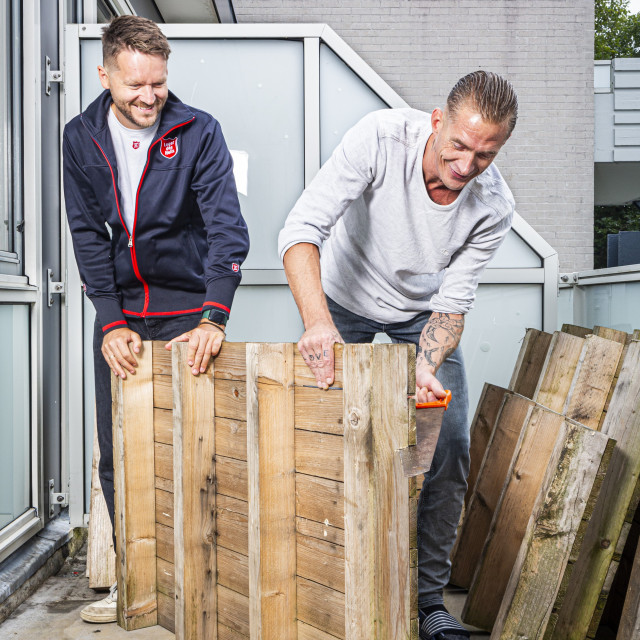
[131, 236]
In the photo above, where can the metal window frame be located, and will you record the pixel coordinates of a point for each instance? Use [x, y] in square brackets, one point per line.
[312, 36]
[26, 289]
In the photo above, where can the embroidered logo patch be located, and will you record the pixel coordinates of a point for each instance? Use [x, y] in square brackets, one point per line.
[169, 147]
[235, 266]
[136, 144]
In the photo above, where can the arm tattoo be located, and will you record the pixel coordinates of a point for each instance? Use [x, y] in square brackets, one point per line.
[439, 338]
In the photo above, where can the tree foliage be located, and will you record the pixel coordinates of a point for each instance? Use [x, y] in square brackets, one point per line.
[617, 32]
[611, 219]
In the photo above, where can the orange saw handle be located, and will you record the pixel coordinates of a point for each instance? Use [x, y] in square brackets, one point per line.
[444, 402]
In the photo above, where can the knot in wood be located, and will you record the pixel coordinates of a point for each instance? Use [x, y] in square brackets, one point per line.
[605, 544]
[236, 393]
[354, 418]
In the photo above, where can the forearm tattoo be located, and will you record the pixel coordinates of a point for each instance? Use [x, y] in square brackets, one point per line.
[439, 338]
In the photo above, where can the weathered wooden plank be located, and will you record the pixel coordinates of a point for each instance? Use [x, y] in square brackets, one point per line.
[481, 429]
[359, 498]
[163, 425]
[224, 633]
[166, 611]
[393, 367]
[230, 363]
[576, 330]
[101, 556]
[319, 454]
[538, 571]
[306, 632]
[591, 385]
[132, 402]
[611, 334]
[231, 438]
[161, 359]
[320, 500]
[271, 465]
[558, 370]
[531, 359]
[231, 399]
[233, 610]
[164, 507]
[594, 561]
[164, 547]
[320, 561]
[509, 426]
[233, 570]
[304, 377]
[231, 477]
[162, 392]
[319, 410]
[166, 577]
[321, 607]
[164, 484]
[163, 454]
[235, 505]
[320, 531]
[232, 530]
[194, 500]
[511, 516]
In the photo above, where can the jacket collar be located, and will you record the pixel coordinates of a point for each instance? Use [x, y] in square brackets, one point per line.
[94, 117]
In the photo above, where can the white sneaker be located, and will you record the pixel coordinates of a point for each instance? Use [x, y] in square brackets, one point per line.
[104, 610]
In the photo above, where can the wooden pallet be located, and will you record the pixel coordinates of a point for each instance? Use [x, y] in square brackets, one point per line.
[272, 509]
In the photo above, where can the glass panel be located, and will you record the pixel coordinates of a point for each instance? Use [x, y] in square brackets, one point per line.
[6, 222]
[515, 253]
[494, 330]
[612, 305]
[255, 89]
[344, 100]
[14, 418]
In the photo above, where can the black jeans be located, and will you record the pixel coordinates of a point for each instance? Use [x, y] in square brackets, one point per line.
[148, 329]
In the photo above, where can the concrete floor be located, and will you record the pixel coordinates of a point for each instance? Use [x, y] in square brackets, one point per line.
[53, 611]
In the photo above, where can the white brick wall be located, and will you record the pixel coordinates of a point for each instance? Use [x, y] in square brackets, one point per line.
[545, 47]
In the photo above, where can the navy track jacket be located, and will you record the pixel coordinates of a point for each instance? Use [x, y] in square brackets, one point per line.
[188, 239]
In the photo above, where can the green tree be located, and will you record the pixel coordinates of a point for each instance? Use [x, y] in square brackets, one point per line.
[617, 32]
[611, 219]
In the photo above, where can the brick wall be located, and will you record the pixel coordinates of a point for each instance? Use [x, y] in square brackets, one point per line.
[545, 47]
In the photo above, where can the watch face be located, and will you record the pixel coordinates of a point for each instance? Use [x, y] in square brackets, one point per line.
[219, 317]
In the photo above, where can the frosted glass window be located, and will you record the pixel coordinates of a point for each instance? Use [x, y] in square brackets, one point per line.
[14, 417]
[254, 88]
[493, 332]
[612, 305]
[515, 253]
[344, 100]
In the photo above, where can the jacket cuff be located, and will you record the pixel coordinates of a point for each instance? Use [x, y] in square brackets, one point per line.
[220, 294]
[109, 314]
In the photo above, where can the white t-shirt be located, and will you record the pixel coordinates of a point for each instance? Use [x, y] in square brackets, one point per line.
[131, 147]
[388, 251]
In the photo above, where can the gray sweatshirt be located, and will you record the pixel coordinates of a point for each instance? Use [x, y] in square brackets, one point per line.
[388, 252]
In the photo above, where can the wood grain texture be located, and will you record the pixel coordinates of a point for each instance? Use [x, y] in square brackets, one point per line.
[551, 532]
[271, 473]
[590, 573]
[359, 493]
[101, 556]
[320, 500]
[319, 410]
[321, 607]
[162, 392]
[482, 426]
[164, 537]
[163, 425]
[194, 501]
[510, 423]
[233, 570]
[307, 632]
[321, 561]
[530, 362]
[611, 334]
[558, 371]
[319, 454]
[320, 531]
[231, 477]
[231, 438]
[233, 610]
[591, 385]
[231, 399]
[232, 530]
[576, 330]
[134, 480]
[510, 520]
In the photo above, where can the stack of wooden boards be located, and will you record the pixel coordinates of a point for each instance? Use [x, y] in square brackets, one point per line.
[250, 504]
[555, 460]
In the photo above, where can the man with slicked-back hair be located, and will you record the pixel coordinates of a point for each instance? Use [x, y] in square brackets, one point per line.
[155, 220]
[408, 211]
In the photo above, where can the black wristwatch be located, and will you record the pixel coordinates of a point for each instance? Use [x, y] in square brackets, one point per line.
[216, 316]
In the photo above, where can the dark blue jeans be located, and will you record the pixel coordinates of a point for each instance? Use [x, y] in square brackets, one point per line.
[149, 329]
[445, 484]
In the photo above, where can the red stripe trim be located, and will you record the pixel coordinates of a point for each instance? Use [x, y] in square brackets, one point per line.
[162, 313]
[113, 324]
[135, 216]
[217, 304]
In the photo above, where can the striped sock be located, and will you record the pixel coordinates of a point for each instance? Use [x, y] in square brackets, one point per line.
[437, 624]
